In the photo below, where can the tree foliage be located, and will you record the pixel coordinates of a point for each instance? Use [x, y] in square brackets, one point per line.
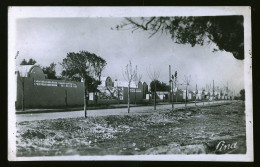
[154, 75]
[242, 94]
[50, 71]
[130, 74]
[92, 84]
[160, 86]
[29, 62]
[227, 32]
[85, 66]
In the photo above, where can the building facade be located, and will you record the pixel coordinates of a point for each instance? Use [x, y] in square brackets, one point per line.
[34, 90]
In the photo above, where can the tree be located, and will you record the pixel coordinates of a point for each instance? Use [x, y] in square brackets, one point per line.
[209, 88]
[160, 86]
[222, 93]
[129, 75]
[227, 32]
[242, 94]
[196, 93]
[92, 84]
[29, 62]
[154, 76]
[83, 65]
[203, 95]
[172, 80]
[138, 79]
[50, 71]
[117, 91]
[186, 80]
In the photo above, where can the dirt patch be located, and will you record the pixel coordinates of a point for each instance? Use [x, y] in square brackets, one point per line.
[217, 129]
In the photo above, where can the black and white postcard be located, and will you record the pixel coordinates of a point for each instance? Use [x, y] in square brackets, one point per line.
[130, 83]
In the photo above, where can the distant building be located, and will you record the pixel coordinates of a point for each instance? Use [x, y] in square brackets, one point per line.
[145, 89]
[125, 84]
[34, 90]
[162, 95]
[116, 91]
[30, 71]
[190, 95]
[106, 81]
[198, 94]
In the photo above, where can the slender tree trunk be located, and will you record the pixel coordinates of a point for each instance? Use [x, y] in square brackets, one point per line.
[176, 94]
[172, 97]
[128, 98]
[154, 95]
[85, 99]
[186, 98]
[96, 98]
[66, 95]
[118, 95]
[23, 95]
[135, 96]
[202, 100]
[66, 98]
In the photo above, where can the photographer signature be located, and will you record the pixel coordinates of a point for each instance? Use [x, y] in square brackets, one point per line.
[223, 146]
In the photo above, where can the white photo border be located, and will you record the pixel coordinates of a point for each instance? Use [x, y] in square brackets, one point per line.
[77, 12]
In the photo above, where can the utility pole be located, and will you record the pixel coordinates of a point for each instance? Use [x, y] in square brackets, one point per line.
[170, 83]
[154, 95]
[172, 92]
[175, 75]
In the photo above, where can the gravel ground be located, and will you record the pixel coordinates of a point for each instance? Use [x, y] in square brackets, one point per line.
[216, 129]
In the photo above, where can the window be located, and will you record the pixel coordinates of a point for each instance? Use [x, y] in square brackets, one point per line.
[54, 83]
[68, 85]
[45, 83]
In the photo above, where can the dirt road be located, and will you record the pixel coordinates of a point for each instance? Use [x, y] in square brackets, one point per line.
[101, 112]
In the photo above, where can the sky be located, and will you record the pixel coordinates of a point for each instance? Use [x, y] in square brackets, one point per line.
[49, 40]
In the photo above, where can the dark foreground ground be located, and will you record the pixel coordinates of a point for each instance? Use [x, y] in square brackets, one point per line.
[216, 129]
